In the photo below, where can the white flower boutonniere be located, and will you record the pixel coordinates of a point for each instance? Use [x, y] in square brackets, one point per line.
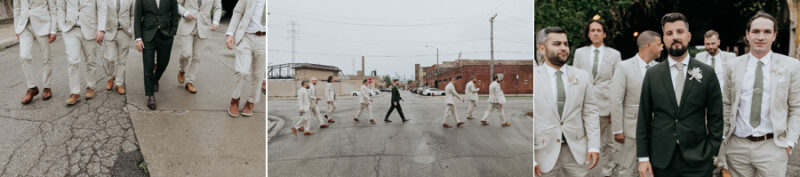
[572, 79]
[696, 74]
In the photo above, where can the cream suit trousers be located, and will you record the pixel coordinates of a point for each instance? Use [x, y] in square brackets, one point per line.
[78, 50]
[26, 42]
[450, 111]
[249, 66]
[192, 47]
[494, 106]
[116, 55]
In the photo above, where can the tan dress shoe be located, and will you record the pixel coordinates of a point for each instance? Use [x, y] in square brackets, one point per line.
[29, 95]
[233, 110]
[181, 77]
[190, 88]
[74, 98]
[121, 90]
[248, 109]
[445, 125]
[89, 93]
[110, 84]
[308, 133]
[506, 124]
[47, 94]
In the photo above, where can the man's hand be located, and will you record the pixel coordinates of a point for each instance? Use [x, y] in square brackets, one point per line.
[592, 157]
[214, 27]
[52, 38]
[139, 45]
[189, 17]
[301, 111]
[229, 42]
[17, 36]
[620, 138]
[402, 100]
[789, 151]
[370, 100]
[395, 103]
[329, 102]
[318, 98]
[462, 100]
[99, 36]
[644, 169]
[537, 170]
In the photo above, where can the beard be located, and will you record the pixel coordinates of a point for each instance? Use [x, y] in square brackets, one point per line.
[677, 51]
[710, 51]
[555, 59]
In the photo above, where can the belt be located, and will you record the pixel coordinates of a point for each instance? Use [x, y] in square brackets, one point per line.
[260, 33]
[760, 138]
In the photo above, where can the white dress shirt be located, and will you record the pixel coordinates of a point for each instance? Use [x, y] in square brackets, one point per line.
[674, 72]
[255, 22]
[743, 127]
[718, 67]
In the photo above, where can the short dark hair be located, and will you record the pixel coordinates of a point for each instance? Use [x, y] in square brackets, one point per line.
[541, 36]
[302, 83]
[364, 81]
[586, 39]
[711, 33]
[494, 78]
[473, 77]
[673, 17]
[762, 14]
[330, 79]
[395, 80]
[646, 37]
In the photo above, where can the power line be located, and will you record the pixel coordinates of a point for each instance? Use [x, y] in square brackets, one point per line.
[397, 56]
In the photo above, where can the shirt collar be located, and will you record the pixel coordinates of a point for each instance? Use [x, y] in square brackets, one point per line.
[766, 59]
[685, 61]
[601, 47]
[552, 71]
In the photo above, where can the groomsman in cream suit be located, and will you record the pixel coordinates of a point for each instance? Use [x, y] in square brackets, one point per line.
[599, 60]
[567, 134]
[364, 100]
[496, 101]
[451, 97]
[119, 28]
[713, 56]
[471, 92]
[626, 88]
[246, 33]
[330, 95]
[83, 23]
[303, 107]
[35, 22]
[194, 28]
[761, 105]
[312, 91]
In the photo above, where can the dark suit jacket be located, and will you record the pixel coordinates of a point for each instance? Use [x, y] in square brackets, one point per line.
[395, 94]
[696, 123]
[148, 18]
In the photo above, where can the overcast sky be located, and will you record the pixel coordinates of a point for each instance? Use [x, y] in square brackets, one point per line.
[393, 34]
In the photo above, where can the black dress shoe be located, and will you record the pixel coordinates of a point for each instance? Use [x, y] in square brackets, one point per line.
[387, 120]
[406, 120]
[151, 102]
[155, 87]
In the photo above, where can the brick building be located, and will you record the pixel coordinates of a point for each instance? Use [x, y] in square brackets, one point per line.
[518, 75]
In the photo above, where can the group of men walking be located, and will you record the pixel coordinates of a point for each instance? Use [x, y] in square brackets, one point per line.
[307, 101]
[87, 25]
[679, 117]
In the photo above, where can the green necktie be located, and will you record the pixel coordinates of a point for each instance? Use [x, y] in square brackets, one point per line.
[713, 63]
[199, 3]
[594, 67]
[758, 90]
[679, 82]
[560, 95]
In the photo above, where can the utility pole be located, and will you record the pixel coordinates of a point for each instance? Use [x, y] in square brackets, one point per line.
[436, 71]
[293, 31]
[353, 61]
[491, 45]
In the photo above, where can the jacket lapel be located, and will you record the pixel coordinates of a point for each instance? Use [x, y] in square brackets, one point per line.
[666, 80]
[775, 74]
[546, 93]
[688, 84]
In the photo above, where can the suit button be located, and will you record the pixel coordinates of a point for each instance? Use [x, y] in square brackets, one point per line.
[558, 140]
[562, 123]
[676, 134]
[676, 120]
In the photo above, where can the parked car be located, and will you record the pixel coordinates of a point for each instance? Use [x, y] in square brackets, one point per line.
[386, 90]
[432, 91]
[412, 90]
[357, 93]
[420, 89]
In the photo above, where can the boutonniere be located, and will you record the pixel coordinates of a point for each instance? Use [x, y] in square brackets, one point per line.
[572, 79]
[697, 74]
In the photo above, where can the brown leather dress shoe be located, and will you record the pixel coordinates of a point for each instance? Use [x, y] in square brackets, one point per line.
[73, 98]
[301, 129]
[181, 77]
[459, 124]
[47, 94]
[190, 88]
[483, 122]
[29, 95]
[506, 124]
[121, 89]
[110, 84]
[356, 120]
[371, 121]
[470, 117]
[233, 110]
[247, 111]
[323, 126]
[308, 133]
[331, 121]
[151, 102]
[89, 93]
[294, 131]
[445, 125]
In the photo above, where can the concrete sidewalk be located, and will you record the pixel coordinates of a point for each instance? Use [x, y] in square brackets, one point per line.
[8, 37]
[192, 134]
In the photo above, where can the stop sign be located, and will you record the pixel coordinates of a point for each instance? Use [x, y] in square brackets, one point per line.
[370, 80]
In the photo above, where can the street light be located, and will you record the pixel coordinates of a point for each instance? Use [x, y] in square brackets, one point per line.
[436, 83]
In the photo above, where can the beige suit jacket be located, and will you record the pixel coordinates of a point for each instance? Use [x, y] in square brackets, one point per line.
[202, 15]
[92, 13]
[240, 18]
[41, 14]
[471, 92]
[602, 83]
[451, 96]
[124, 18]
[626, 88]
[579, 124]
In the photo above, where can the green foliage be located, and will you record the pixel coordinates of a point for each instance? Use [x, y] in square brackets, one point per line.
[387, 81]
[572, 16]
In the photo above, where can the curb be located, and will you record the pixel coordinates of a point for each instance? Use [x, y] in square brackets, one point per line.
[275, 125]
[8, 42]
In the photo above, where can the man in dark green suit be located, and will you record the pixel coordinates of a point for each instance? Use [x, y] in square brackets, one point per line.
[679, 127]
[155, 23]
